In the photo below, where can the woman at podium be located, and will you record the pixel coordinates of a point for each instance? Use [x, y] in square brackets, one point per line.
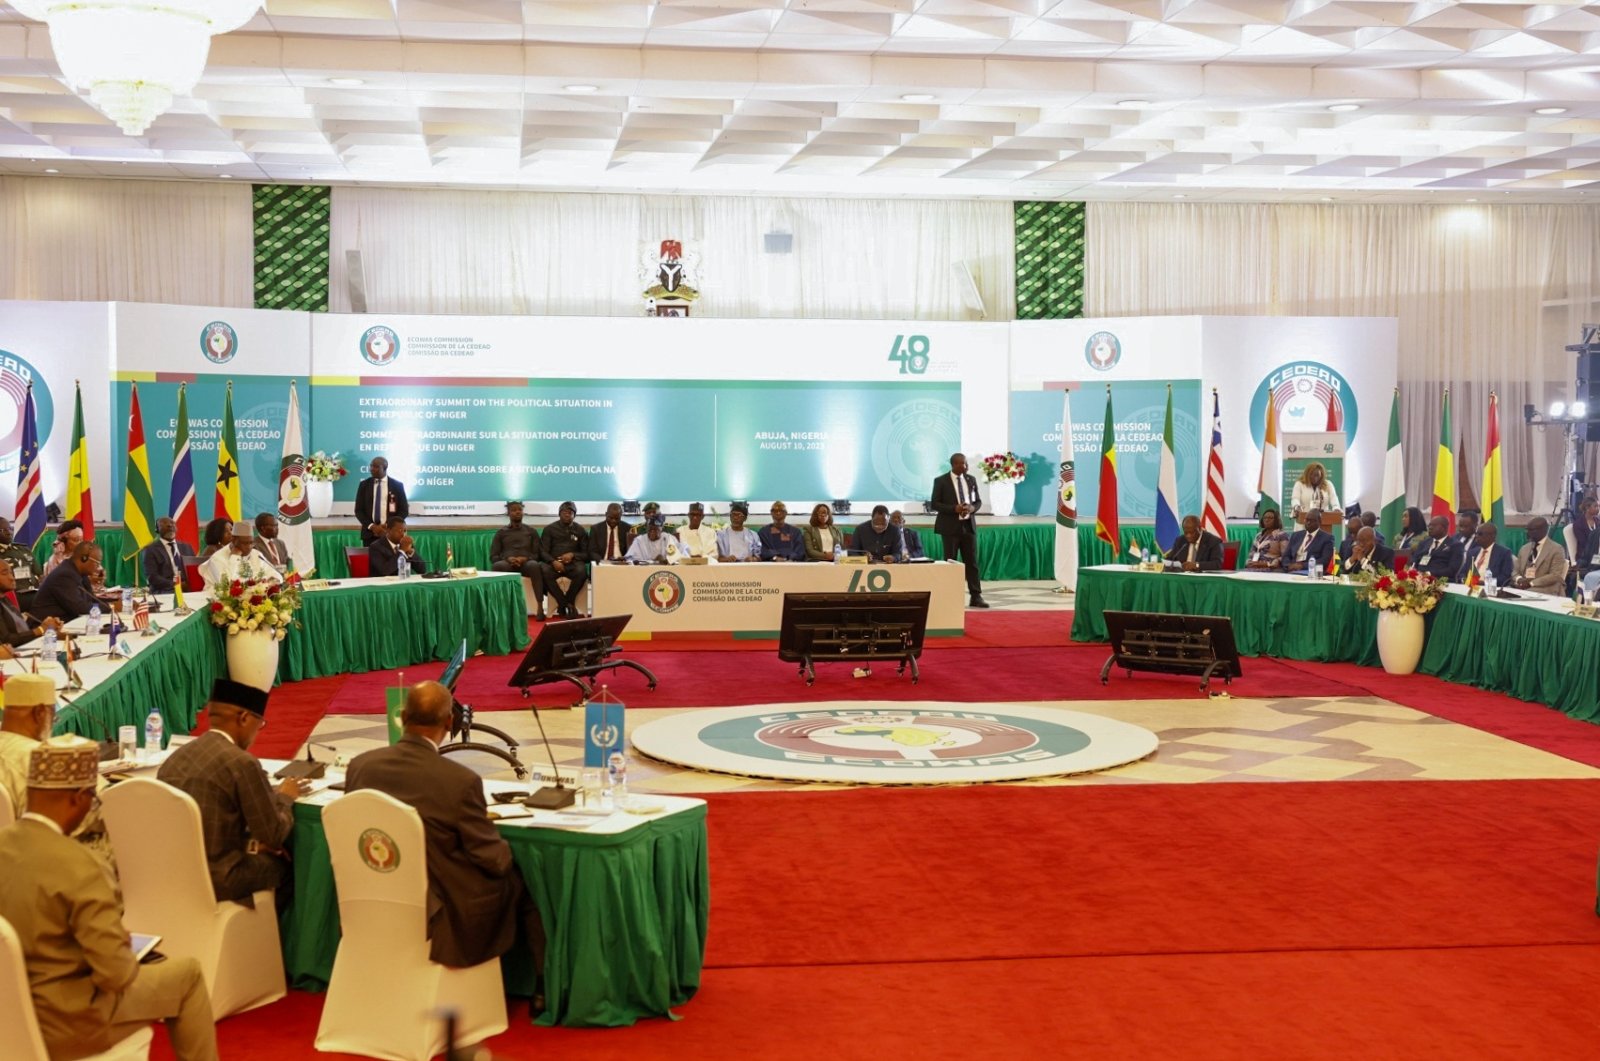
[1313, 490]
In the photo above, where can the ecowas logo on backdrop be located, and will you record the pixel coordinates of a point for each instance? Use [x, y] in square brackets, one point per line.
[1309, 396]
[219, 342]
[15, 375]
[663, 592]
[380, 345]
[1102, 351]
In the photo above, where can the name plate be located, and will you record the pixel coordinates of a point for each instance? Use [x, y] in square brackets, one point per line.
[463, 572]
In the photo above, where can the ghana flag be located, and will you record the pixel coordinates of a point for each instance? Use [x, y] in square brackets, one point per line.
[227, 504]
[138, 504]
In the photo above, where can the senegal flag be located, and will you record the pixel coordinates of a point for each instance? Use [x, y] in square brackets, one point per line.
[1105, 519]
[227, 504]
[138, 504]
[1494, 502]
[1444, 474]
[80, 505]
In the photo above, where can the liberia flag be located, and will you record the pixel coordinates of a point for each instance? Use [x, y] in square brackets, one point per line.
[1216, 508]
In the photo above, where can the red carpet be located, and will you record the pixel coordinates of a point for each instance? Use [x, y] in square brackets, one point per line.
[984, 629]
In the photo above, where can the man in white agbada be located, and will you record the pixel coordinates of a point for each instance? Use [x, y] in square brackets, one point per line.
[655, 546]
[697, 538]
[239, 560]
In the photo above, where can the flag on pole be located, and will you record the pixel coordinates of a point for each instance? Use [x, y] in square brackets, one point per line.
[80, 504]
[1466, 497]
[1167, 526]
[138, 501]
[227, 504]
[30, 513]
[1067, 502]
[1494, 502]
[1392, 516]
[1269, 484]
[181, 504]
[1216, 507]
[1444, 472]
[294, 509]
[1105, 519]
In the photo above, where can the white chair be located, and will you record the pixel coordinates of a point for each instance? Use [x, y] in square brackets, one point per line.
[21, 1024]
[385, 996]
[529, 597]
[8, 813]
[166, 890]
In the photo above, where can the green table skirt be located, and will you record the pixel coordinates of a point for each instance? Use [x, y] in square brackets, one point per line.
[347, 631]
[1532, 655]
[625, 916]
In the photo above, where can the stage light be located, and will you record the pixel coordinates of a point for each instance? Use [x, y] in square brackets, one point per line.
[1556, 409]
[840, 506]
[630, 507]
[1578, 410]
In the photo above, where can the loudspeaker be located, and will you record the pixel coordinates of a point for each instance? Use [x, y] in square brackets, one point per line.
[967, 289]
[356, 281]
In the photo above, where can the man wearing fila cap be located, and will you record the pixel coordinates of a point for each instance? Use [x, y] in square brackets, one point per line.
[89, 992]
[30, 715]
[238, 560]
[246, 821]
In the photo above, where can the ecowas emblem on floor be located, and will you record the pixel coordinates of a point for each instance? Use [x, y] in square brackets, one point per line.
[889, 743]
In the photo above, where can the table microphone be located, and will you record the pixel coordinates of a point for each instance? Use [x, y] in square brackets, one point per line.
[557, 795]
[307, 769]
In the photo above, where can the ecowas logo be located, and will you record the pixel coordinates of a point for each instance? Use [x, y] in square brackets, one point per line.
[219, 342]
[15, 375]
[663, 592]
[380, 345]
[908, 740]
[379, 851]
[1102, 351]
[1309, 397]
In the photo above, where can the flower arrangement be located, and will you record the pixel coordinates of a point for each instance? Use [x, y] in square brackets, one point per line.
[1004, 467]
[323, 468]
[1403, 590]
[252, 603]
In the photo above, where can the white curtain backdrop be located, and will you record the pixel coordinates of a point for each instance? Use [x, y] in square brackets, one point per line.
[428, 251]
[133, 241]
[1487, 297]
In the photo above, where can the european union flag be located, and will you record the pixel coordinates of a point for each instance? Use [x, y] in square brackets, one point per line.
[30, 521]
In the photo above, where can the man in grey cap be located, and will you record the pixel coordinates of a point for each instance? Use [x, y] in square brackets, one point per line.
[245, 820]
[565, 554]
[89, 991]
[239, 560]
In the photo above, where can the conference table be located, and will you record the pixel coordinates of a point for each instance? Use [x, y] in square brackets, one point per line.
[746, 599]
[1532, 648]
[625, 901]
[352, 627]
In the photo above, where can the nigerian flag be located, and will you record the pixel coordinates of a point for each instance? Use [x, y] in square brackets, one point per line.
[1393, 515]
[227, 503]
[138, 500]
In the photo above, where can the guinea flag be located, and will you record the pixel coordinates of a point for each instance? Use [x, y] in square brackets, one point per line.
[138, 504]
[80, 503]
[1444, 473]
[1494, 501]
[227, 504]
[1105, 519]
[1393, 513]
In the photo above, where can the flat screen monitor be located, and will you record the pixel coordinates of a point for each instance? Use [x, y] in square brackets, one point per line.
[809, 618]
[453, 669]
[553, 649]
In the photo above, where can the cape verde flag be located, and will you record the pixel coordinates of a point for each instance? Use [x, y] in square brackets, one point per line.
[31, 519]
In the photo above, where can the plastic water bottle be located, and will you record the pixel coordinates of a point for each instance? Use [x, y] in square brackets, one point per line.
[127, 600]
[403, 567]
[152, 733]
[47, 646]
[94, 620]
[617, 768]
[1490, 587]
[838, 551]
[1311, 568]
[1316, 570]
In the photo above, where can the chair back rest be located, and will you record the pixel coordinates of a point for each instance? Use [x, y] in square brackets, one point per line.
[192, 580]
[161, 854]
[379, 860]
[16, 999]
[1230, 555]
[8, 813]
[360, 562]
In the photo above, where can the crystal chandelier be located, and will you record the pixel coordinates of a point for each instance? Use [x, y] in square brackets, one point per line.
[133, 56]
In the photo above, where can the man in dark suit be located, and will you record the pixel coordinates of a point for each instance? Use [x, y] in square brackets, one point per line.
[1309, 543]
[1195, 549]
[162, 559]
[912, 540]
[476, 898]
[269, 545]
[1367, 552]
[20, 557]
[608, 539]
[383, 555]
[955, 500]
[564, 554]
[244, 819]
[379, 499]
[15, 627]
[68, 591]
[1352, 527]
[1441, 556]
[1488, 557]
[1466, 536]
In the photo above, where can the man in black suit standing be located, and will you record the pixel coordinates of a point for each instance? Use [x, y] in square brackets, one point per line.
[955, 500]
[1441, 555]
[162, 559]
[476, 898]
[1196, 549]
[378, 500]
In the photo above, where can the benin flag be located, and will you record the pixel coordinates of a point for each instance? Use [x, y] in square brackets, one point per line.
[227, 504]
[1393, 513]
[1105, 518]
[1444, 473]
[1494, 502]
[138, 504]
[180, 496]
[80, 504]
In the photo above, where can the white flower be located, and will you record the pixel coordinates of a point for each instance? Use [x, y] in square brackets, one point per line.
[233, 628]
[282, 634]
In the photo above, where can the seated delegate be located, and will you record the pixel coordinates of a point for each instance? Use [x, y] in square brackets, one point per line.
[1196, 549]
[1269, 545]
[1310, 545]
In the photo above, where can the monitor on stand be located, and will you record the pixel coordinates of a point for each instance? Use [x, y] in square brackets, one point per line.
[462, 724]
[575, 651]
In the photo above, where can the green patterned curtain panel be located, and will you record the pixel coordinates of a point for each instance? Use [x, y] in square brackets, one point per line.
[1049, 260]
[291, 223]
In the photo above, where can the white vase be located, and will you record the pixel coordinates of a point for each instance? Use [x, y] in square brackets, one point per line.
[319, 498]
[1002, 498]
[1399, 641]
[253, 658]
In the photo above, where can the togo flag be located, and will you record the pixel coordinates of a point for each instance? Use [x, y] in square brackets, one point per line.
[138, 501]
[1167, 526]
[1393, 513]
[294, 512]
[1067, 502]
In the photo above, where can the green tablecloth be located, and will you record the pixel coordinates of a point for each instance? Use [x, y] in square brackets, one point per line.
[1318, 621]
[347, 630]
[1532, 655]
[625, 916]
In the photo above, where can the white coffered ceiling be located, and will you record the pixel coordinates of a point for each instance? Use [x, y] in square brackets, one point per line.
[1206, 99]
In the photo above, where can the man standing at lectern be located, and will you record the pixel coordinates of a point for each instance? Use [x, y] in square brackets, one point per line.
[378, 500]
[955, 499]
